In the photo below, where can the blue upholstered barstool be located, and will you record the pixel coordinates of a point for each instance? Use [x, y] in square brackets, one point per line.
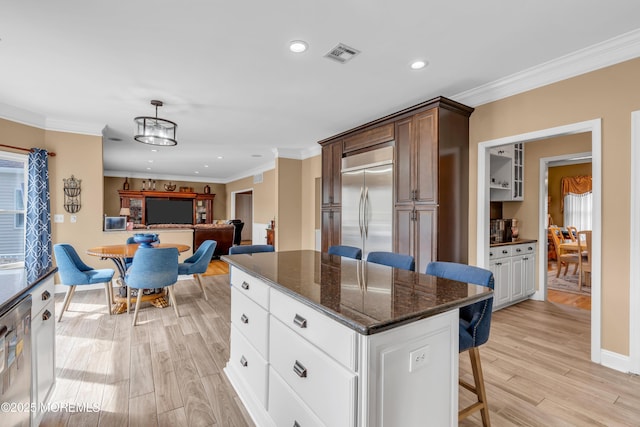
[392, 259]
[346, 251]
[475, 323]
[73, 272]
[197, 263]
[152, 268]
[250, 249]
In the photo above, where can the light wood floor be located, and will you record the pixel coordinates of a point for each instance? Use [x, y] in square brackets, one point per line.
[168, 371]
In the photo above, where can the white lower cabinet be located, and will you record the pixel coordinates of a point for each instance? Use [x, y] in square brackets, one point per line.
[319, 372]
[43, 339]
[513, 268]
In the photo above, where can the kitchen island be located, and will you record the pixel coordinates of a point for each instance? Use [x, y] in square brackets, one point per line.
[317, 339]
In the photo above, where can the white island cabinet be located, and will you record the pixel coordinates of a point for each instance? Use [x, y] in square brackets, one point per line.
[313, 345]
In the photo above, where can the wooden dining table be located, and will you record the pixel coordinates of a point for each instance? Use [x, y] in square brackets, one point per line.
[118, 254]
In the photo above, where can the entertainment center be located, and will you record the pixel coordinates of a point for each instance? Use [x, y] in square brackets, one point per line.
[148, 207]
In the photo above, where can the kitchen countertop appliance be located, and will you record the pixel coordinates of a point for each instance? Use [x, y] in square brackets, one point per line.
[500, 230]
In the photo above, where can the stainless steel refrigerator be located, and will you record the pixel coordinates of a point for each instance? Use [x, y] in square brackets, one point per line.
[367, 200]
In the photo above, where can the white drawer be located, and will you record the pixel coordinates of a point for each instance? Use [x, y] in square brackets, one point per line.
[249, 365]
[324, 385]
[500, 252]
[287, 409]
[252, 287]
[524, 249]
[42, 295]
[250, 319]
[335, 339]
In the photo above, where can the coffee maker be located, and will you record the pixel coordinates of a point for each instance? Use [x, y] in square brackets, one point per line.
[500, 230]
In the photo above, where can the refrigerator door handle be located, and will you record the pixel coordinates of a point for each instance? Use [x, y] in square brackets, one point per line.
[360, 211]
[366, 212]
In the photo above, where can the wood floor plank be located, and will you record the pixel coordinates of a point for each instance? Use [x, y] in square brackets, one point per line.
[536, 366]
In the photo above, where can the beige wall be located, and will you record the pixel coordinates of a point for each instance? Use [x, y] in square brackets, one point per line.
[289, 207]
[264, 196]
[310, 199]
[610, 94]
[113, 184]
[555, 187]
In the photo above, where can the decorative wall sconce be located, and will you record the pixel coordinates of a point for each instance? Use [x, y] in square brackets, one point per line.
[71, 194]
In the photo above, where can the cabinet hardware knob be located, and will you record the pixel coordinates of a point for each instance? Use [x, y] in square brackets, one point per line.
[245, 286]
[300, 321]
[518, 250]
[490, 253]
[244, 318]
[530, 248]
[505, 252]
[46, 295]
[46, 315]
[243, 361]
[299, 369]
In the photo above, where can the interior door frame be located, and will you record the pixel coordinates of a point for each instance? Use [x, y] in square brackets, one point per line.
[634, 250]
[233, 206]
[482, 225]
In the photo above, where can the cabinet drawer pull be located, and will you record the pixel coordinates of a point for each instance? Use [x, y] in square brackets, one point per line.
[46, 315]
[505, 251]
[518, 250]
[295, 424]
[490, 253]
[525, 258]
[530, 248]
[498, 263]
[245, 286]
[46, 295]
[244, 318]
[299, 369]
[300, 321]
[243, 361]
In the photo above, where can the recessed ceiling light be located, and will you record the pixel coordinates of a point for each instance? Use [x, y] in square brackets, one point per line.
[220, 157]
[148, 169]
[418, 65]
[298, 46]
[150, 161]
[206, 166]
[154, 150]
[196, 172]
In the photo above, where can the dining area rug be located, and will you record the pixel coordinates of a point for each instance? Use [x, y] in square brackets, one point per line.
[568, 283]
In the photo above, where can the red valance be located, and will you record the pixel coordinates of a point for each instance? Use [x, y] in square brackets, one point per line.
[575, 185]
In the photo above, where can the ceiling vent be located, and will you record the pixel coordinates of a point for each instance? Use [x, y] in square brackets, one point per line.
[258, 178]
[342, 53]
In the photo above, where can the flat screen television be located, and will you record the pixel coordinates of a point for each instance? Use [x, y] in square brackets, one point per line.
[168, 211]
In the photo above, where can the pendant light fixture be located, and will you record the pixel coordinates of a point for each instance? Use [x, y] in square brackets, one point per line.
[154, 130]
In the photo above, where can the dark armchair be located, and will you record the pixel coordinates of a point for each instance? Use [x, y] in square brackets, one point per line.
[237, 234]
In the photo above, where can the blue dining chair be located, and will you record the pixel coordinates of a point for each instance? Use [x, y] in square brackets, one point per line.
[128, 261]
[346, 251]
[406, 262]
[73, 272]
[475, 324]
[250, 249]
[152, 268]
[197, 263]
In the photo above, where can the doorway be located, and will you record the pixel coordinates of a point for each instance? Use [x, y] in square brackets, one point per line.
[563, 285]
[243, 210]
[593, 128]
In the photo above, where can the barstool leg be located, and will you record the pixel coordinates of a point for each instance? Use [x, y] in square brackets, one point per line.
[474, 354]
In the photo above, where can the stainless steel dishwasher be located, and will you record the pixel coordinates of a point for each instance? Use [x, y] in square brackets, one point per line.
[15, 364]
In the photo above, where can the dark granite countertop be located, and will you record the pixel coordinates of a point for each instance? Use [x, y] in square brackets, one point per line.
[517, 242]
[15, 283]
[366, 297]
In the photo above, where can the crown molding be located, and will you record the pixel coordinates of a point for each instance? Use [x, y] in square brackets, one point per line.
[610, 52]
[94, 129]
[18, 115]
[250, 172]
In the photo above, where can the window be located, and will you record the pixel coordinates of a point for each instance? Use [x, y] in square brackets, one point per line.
[578, 210]
[13, 180]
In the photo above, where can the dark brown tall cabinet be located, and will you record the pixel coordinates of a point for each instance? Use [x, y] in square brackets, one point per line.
[431, 179]
[331, 194]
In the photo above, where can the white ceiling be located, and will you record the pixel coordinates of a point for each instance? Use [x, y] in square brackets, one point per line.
[226, 76]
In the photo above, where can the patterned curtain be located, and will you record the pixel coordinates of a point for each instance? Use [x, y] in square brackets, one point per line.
[37, 256]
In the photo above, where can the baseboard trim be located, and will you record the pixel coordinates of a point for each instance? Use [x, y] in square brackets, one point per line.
[615, 361]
